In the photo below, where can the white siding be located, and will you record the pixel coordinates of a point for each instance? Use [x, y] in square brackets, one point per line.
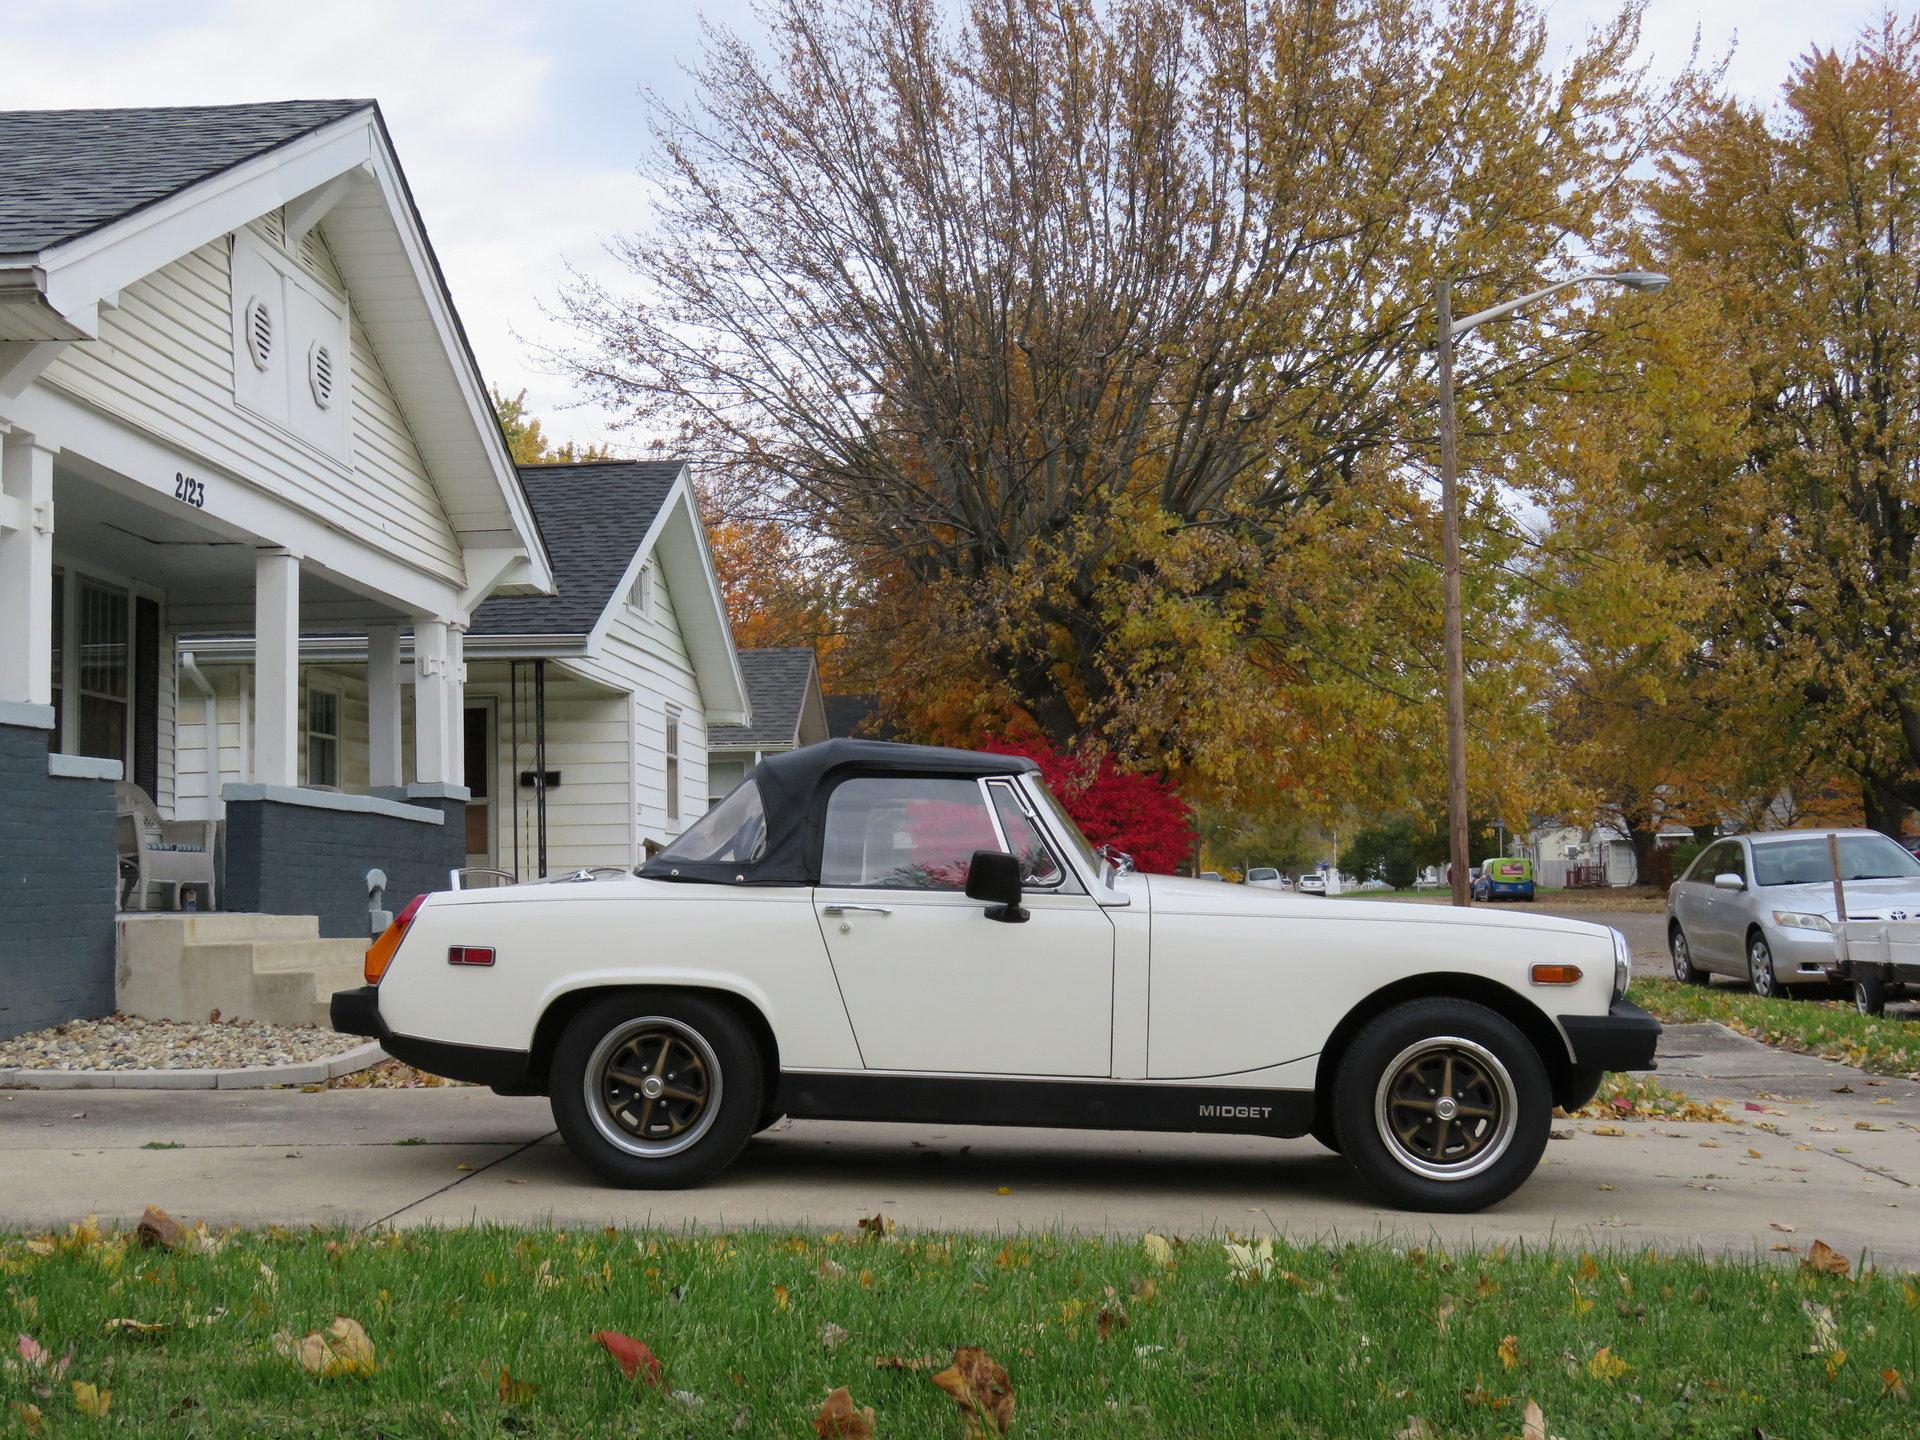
[165, 362]
[169, 688]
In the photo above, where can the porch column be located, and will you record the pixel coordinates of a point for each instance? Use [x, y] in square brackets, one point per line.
[436, 702]
[383, 707]
[26, 570]
[276, 669]
[457, 707]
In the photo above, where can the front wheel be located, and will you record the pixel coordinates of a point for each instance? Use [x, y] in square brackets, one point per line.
[1760, 969]
[1443, 1105]
[1870, 995]
[656, 1092]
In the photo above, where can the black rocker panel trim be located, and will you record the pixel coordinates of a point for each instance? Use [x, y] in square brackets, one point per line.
[1070, 1104]
[357, 1012]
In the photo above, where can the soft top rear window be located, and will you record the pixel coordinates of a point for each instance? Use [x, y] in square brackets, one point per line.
[734, 832]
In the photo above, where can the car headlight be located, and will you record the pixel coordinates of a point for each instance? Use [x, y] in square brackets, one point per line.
[1622, 963]
[1800, 920]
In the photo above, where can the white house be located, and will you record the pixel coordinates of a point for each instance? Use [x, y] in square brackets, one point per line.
[788, 711]
[234, 395]
[586, 713]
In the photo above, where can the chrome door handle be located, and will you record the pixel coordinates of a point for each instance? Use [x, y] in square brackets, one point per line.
[855, 910]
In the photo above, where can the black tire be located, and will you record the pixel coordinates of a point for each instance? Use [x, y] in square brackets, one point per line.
[1760, 972]
[1870, 995]
[1505, 1080]
[1323, 1131]
[1684, 970]
[700, 1052]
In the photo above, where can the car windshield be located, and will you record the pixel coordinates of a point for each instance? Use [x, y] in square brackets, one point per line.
[734, 832]
[1063, 823]
[1259, 874]
[1803, 860]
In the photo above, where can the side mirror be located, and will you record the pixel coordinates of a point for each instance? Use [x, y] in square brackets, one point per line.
[1728, 881]
[994, 876]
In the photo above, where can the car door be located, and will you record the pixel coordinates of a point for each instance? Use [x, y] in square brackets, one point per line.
[1716, 936]
[930, 983]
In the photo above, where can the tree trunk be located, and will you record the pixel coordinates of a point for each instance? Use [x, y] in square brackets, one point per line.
[1886, 812]
[1642, 838]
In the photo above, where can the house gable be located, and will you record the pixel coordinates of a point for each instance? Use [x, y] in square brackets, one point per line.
[318, 169]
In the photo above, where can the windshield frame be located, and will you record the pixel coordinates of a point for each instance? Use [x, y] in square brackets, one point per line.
[1758, 846]
[1096, 871]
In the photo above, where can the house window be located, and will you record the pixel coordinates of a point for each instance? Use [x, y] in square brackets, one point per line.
[104, 689]
[323, 736]
[673, 764]
[641, 596]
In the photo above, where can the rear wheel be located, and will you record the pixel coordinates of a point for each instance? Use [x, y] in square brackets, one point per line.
[1870, 995]
[1442, 1105]
[1684, 970]
[656, 1091]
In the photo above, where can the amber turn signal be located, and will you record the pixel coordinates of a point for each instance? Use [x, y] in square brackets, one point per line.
[1556, 974]
[380, 953]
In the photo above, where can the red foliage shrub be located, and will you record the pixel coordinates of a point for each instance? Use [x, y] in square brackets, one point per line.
[1139, 814]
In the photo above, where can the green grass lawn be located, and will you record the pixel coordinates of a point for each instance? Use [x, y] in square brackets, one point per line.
[755, 1329]
[1832, 1029]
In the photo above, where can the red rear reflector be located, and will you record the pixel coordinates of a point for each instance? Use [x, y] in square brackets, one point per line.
[1556, 974]
[469, 955]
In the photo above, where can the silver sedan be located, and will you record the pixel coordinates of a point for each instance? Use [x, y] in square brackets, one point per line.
[1760, 907]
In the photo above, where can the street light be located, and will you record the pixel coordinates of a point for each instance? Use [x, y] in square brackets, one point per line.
[1647, 282]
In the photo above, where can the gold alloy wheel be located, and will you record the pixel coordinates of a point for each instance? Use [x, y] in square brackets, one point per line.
[653, 1087]
[1446, 1108]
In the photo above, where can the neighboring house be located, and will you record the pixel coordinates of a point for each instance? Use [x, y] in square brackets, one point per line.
[234, 395]
[783, 688]
[1557, 850]
[586, 713]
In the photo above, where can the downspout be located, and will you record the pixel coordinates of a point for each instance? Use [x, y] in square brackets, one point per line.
[210, 720]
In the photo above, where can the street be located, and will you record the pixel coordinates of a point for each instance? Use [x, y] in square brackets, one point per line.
[1800, 1169]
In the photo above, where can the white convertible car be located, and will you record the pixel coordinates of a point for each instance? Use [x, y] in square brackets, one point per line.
[866, 931]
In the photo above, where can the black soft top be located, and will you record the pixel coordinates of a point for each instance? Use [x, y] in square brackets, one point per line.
[793, 788]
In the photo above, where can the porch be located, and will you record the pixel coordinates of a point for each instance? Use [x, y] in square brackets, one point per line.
[99, 577]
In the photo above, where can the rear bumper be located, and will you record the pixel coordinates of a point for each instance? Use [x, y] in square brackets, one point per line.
[1623, 1039]
[357, 1012]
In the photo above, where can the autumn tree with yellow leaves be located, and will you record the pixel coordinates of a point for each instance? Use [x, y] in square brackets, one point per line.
[1094, 338]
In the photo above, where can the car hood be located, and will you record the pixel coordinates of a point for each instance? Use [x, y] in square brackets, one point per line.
[1178, 895]
[1866, 899]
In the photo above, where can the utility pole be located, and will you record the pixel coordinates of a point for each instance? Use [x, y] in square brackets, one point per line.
[1455, 626]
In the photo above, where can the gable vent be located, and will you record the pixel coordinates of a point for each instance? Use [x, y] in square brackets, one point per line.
[320, 374]
[259, 332]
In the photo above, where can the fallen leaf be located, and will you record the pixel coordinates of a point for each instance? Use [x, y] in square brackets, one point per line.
[139, 1327]
[1157, 1248]
[779, 1297]
[1826, 1333]
[1781, 1225]
[1834, 1362]
[1444, 1313]
[1251, 1262]
[839, 1420]
[980, 1388]
[1534, 1425]
[158, 1228]
[876, 1227]
[1891, 1382]
[831, 1269]
[1509, 1351]
[636, 1360]
[832, 1336]
[1605, 1365]
[1827, 1260]
[1606, 1130]
[1003, 1190]
[1589, 1267]
[27, 1414]
[1417, 1429]
[92, 1400]
[1867, 1125]
[1753, 1154]
[342, 1349]
[512, 1391]
[1581, 1304]
[1112, 1316]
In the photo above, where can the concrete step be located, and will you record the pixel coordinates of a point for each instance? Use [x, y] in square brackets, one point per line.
[306, 954]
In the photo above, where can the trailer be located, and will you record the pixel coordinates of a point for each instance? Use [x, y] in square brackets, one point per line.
[1881, 960]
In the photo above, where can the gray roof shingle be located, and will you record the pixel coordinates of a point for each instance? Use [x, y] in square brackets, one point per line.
[776, 689]
[593, 517]
[64, 173]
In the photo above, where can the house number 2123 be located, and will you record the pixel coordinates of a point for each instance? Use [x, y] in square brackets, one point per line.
[193, 491]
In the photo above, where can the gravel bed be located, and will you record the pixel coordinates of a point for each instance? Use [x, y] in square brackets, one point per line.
[124, 1042]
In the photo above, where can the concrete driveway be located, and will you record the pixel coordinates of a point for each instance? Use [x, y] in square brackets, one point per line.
[457, 1156]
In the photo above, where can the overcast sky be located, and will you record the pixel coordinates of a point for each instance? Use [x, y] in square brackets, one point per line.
[518, 124]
